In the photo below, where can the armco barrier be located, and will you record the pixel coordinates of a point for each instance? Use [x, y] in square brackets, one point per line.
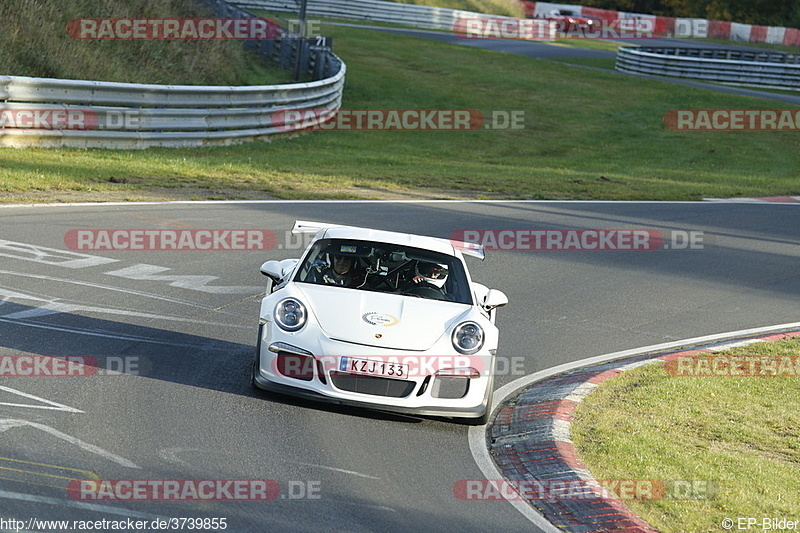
[426, 17]
[131, 115]
[767, 68]
[45, 112]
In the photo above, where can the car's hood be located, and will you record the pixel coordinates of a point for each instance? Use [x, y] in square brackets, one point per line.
[381, 320]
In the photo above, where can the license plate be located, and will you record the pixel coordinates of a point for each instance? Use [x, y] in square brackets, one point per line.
[373, 367]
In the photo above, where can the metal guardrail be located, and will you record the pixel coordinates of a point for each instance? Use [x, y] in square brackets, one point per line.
[46, 112]
[425, 17]
[767, 68]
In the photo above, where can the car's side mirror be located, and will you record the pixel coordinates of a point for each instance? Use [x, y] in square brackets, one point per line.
[273, 270]
[494, 298]
[277, 272]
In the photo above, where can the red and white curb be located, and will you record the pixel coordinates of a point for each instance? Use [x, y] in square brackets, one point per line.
[529, 441]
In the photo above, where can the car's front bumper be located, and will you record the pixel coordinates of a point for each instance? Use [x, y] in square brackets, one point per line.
[417, 395]
[451, 412]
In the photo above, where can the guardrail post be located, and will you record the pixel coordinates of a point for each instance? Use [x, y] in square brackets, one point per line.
[320, 48]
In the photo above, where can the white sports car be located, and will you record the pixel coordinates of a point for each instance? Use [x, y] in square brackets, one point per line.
[378, 319]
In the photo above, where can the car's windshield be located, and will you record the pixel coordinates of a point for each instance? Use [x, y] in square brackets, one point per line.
[382, 267]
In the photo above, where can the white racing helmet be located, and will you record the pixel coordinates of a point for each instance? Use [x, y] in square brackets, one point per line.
[433, 273]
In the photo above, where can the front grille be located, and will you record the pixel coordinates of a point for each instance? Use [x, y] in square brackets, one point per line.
[295, 366]
[376, 386]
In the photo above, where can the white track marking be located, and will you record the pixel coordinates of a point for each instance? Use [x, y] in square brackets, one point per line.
[334, 469]
[50, 405]
[95, 333]
[289, 202]
[172, 455]
[145, 272]
[140, 272]
[55, 306]
[109, 288]
[50, 256]
[361, 505]
[8, 495]
[477, 434]
[8, 423]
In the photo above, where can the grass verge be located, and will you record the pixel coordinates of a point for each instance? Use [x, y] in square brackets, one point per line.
[587, 135]
[34, 42]
[740, 433]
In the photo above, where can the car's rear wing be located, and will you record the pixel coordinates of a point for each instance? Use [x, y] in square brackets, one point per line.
[467, 248]
[304, 226]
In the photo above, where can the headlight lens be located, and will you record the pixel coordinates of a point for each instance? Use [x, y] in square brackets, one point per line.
[468, 338]
[290, 314]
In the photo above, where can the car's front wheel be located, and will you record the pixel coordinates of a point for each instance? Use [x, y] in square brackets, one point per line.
[485, 417]
[256, 359]
[254, 371]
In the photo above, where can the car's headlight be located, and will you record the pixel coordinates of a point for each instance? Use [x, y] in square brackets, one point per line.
[290, 314]
[468, 338]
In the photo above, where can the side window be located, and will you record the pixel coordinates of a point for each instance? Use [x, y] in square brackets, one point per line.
[307, 272]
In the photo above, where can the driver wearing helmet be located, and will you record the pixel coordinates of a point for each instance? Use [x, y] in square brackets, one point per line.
[428, 274]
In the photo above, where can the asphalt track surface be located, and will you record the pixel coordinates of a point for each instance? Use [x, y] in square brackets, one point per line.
[188, 320]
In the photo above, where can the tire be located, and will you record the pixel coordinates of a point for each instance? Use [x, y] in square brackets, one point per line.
[256, 359]
[486, 416]
[254, 371]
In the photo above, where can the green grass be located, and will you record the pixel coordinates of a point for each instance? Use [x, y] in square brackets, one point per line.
[591, 44]
[34, 42]
[595, 62]
[588, 135]
[740, 434]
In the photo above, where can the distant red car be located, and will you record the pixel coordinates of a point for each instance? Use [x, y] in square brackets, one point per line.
[568, 21]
